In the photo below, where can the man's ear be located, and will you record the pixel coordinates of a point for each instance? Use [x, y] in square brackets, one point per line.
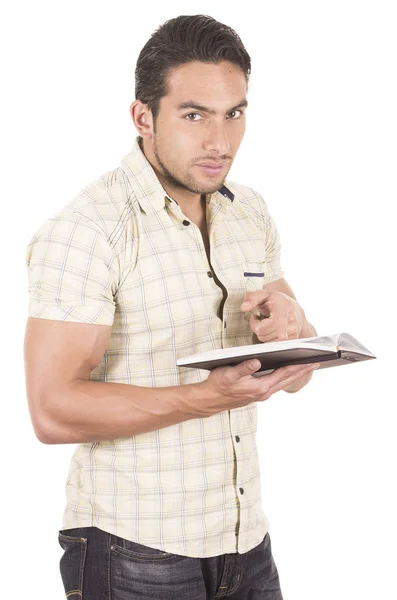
[143, 119]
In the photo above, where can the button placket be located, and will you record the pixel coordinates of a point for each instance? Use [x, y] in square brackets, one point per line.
[199, 241]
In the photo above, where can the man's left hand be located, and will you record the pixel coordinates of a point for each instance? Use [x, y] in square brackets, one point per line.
[277, 316]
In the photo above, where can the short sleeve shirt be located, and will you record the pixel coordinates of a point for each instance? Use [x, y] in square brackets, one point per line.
[122, 253]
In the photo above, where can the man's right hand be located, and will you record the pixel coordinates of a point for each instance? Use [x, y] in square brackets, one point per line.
[232, 387]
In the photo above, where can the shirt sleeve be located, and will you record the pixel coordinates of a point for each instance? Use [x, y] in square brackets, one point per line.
[273, 269]
[72, 273]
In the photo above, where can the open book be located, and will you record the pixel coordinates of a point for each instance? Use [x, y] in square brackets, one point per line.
[330, 351]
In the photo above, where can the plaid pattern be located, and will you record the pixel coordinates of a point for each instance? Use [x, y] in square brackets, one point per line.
[121, 254]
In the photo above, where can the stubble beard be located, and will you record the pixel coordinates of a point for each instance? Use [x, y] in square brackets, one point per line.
[190, 185]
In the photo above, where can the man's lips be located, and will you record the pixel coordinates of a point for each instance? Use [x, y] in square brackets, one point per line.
[212, 168]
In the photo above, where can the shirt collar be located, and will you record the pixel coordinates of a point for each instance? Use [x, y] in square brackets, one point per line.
[148, 190]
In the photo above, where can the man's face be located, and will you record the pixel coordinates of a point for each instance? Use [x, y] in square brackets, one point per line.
[200, 121]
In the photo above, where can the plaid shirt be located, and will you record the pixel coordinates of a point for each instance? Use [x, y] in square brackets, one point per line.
[122, 253]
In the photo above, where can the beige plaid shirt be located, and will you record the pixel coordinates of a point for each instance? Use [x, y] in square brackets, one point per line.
[122, 253]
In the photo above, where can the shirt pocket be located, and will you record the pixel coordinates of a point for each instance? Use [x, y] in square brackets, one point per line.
[253, 279]
[254, 275]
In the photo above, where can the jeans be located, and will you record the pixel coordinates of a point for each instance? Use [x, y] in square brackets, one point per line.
[96, 565]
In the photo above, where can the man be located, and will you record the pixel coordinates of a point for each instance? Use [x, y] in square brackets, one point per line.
[158, 259]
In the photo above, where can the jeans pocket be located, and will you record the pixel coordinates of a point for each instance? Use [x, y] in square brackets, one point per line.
[138, 572]
[72, 564]
[138, 552]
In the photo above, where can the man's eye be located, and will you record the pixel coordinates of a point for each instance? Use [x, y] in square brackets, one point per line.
[234, 112]
[192, 115]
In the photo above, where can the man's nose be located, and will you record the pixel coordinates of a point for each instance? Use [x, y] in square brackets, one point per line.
[217, 139]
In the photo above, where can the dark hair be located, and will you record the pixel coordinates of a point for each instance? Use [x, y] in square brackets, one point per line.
[179, 41]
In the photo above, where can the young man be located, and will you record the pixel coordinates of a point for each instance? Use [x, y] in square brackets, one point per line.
[151, 262]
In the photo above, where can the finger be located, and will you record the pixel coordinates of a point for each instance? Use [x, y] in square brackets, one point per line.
[263, 311]
[291, 378]
[256, 319]
[245, 368]
[293, 332]
[273, 337]
[270, 330]
[283, 374]
[263, 327]
[253, 299]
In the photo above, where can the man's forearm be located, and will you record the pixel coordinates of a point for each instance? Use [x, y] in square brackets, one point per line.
[90, 411]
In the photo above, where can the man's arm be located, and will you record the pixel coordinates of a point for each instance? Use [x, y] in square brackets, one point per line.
[289, 320]
[66, 407]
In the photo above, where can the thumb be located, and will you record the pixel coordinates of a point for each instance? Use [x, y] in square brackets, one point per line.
[247, 367]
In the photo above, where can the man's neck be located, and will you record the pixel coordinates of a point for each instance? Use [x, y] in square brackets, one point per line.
[189, 202]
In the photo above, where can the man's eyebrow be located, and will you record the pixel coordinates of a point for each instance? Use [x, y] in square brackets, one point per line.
[192, 104]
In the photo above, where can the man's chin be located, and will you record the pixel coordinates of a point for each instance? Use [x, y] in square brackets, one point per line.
[210, 188]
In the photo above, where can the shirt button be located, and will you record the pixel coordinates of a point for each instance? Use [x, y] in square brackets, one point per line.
[241, 491]
[185, 222]
[237, 438]
[209, 274]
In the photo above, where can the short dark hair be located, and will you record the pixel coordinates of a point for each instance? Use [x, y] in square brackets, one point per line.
[179, 41]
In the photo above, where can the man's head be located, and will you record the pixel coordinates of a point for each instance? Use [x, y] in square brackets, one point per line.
[191, 84]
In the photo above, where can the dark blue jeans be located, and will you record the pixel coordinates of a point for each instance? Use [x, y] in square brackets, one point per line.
[96, 565]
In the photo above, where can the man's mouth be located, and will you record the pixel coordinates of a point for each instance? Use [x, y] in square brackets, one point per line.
[211, 168]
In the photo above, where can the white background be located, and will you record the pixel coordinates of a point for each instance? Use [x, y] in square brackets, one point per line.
[321, 148]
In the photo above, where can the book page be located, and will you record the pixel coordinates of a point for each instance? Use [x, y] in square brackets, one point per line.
[348, 342]
[345, 341]
[326, 340]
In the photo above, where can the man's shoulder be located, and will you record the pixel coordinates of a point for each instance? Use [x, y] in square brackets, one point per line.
[104, 204]
[104, 201]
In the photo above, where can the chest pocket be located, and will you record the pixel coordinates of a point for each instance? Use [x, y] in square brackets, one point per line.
[254, 278]
[254, 275]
